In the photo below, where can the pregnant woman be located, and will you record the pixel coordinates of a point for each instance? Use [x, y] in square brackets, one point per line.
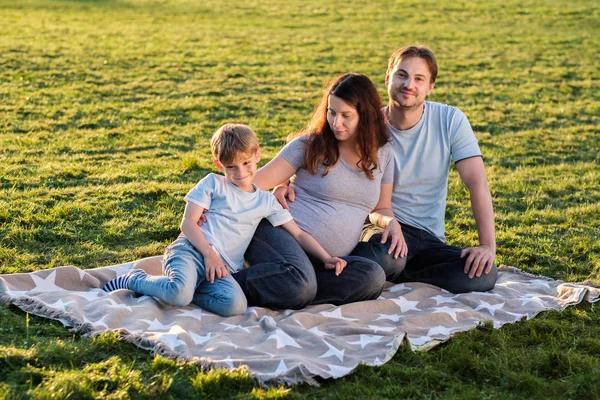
[341, 169]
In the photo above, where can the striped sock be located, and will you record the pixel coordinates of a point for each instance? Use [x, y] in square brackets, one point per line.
[120, 282]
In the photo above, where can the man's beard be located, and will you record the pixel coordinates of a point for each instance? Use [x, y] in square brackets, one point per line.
[396, 103]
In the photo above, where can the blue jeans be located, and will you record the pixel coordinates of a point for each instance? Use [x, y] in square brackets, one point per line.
[183, 282]
[429, 260]
[281, 275]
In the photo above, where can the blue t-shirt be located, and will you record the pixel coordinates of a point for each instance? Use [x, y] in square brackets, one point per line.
[232, 216]
[422, 157]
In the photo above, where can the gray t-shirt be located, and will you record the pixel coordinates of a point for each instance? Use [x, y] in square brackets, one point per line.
[333, 208]
[422, 154]
[232, 216]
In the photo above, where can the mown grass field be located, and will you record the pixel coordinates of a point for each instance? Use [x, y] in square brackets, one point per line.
[106, 109]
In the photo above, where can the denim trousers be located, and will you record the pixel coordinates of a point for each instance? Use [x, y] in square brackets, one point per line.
[281, 275]
[183, 282]
[429, 260]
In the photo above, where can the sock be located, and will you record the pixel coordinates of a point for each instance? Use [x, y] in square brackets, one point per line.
[120, 282]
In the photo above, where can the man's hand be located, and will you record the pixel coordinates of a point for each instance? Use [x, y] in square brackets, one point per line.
[394, 232]
[335, 263]
[215, 268]
[480, 260]
[282, 192]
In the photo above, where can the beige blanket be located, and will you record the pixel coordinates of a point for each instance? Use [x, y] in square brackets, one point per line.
[284, 346]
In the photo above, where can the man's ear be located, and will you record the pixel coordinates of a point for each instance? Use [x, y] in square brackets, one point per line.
[387, 79]
[257, 155]
[431, 85]
[219, 165]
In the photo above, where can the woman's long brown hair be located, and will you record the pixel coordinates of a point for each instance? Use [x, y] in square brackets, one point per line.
[358, 91]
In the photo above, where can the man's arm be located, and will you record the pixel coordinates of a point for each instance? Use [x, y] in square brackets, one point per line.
[481, 258]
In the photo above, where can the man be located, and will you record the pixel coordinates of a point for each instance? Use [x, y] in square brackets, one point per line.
[426, 136]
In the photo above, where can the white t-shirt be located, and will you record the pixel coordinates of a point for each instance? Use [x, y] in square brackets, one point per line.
[232, 216]
[422, 163]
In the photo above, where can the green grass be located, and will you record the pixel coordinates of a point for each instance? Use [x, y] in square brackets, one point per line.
[106, 109]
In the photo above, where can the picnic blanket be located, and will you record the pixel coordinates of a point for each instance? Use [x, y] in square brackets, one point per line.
[288, 346]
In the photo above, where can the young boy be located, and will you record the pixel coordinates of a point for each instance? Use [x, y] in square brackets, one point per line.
[198, 264]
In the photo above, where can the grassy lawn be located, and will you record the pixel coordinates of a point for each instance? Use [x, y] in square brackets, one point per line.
[107, 107]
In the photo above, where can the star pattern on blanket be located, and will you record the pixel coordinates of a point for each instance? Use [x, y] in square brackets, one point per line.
[324, 340]
[283, 339]
[406, 305]
[46, 284]
[333, 351]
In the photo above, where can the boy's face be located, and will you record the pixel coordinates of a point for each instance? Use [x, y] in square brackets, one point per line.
[241, 170]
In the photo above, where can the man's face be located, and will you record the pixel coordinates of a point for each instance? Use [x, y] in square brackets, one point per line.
[409, 83]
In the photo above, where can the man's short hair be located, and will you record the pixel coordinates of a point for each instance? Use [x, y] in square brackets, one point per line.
[231, 141]
[415, 50]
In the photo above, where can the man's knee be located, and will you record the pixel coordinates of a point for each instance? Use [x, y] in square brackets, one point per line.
[483, 283]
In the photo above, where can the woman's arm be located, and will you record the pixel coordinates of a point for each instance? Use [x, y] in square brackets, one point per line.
[276, 172]
[383, 217]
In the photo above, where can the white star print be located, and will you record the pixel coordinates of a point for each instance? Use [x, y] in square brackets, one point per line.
[230, 326]
[281, 368]
[333, 352]
[376, 328]
[315, 330]
[338, 371]
[393, 318]
[450, 311]
[61, 305]
[268, 322]
[199, 339]
[439, 299]
[444, 331]
[97, 323]
[283, 339]
[196, 313]
[397, 288]
[406, 305]
[337, 314]
[171, 338]
[155, 325]
[366, 339]
[228, 361]
[91, 295]
[114, 304]
[518, 317]
[46, 284]
[491, 308]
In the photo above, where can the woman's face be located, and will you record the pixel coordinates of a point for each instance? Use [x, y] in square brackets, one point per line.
[342, 119]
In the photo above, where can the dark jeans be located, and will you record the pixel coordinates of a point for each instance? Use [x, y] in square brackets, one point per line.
[281, 275]
[429, 260]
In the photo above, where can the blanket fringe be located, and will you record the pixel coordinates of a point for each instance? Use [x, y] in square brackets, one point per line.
[36, 307]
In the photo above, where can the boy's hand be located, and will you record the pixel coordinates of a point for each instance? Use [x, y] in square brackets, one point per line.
[335, 263]
[215, 269]
[282, 192]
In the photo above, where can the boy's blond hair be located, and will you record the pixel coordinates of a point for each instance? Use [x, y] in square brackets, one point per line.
[231, 141]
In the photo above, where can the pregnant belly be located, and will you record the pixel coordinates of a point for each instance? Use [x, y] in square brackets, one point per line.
[336, 227]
